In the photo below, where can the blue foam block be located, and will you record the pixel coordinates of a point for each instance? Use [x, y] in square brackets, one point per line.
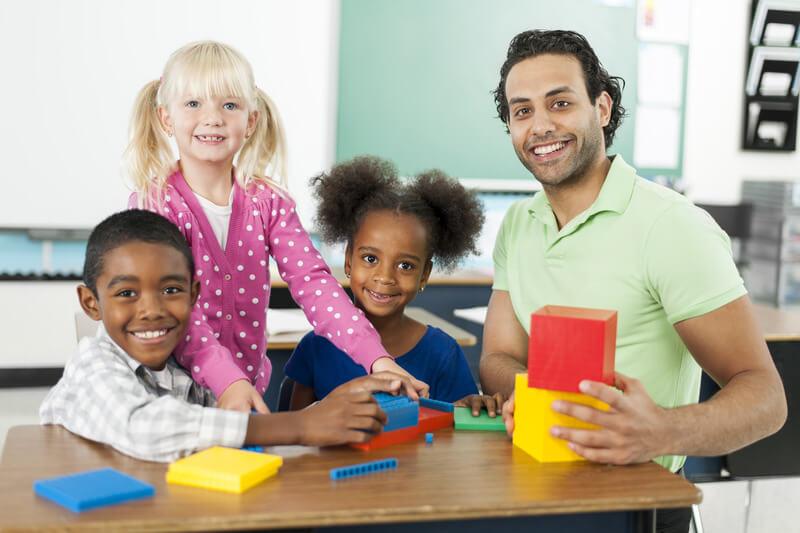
[363, 468]
[447, 407]
[259, 449]
[96, 488]
[428, 438]
[400, 411]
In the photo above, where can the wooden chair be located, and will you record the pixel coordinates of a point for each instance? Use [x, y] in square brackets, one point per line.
[84, 326]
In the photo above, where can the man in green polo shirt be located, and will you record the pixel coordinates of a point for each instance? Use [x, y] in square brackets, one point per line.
[599, 236]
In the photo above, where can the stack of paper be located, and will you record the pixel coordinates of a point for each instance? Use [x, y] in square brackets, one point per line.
[286, 321]
[473, 314]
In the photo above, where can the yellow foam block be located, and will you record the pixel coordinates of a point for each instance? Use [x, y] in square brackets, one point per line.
[225, 469]
[534, 416]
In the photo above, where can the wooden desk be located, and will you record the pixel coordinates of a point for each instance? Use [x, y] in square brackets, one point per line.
[288, 341]
[778, 325]
[462, 475]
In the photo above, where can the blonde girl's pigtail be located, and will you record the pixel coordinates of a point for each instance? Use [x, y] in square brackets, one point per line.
[264, 153]
[148, 159]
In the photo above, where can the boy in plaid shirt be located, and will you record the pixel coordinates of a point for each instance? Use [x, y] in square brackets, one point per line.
[124, 389]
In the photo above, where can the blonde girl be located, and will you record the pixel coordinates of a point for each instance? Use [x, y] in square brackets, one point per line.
[234, 216]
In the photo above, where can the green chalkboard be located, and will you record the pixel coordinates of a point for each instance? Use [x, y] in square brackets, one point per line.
[415, 77]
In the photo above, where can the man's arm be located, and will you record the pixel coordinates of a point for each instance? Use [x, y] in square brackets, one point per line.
[505, 346]
[751, 404]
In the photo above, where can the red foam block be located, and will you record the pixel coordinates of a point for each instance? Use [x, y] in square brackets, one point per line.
[387, 438]
[570, 344]
[430, 420]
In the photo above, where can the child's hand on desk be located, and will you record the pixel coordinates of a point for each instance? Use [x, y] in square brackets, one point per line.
[242, 396]
[341, 418]
[414, 388]
[493, 404]
[349, 413]
[377, 382]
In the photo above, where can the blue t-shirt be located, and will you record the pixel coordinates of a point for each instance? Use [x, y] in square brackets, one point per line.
[436, 359]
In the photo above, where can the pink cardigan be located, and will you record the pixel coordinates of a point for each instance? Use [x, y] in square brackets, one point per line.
[226, 340]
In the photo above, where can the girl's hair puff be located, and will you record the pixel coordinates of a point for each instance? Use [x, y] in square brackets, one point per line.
[452, 215]
[202, 69]
[349, 191]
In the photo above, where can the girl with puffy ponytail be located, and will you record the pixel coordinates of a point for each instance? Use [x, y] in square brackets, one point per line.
[394, 231]
[234, 215]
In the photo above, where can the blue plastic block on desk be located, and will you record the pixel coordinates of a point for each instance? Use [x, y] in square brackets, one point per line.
[447, 407]
[388, 399]
[400, 411]
[259, 449]
[363, 468]
[96, 488]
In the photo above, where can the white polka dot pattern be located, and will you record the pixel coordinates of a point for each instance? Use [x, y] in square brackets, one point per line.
[245, 293]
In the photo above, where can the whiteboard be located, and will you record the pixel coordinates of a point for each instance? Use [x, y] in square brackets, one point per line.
[71, 71]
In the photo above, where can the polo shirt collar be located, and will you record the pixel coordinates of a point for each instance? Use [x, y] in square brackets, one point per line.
[616, 192]
[615, 195]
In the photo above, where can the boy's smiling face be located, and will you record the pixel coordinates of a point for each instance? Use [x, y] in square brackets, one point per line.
[145, 296]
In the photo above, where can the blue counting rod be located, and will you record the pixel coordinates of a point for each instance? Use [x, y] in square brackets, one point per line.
[436, 404]
[363, 468]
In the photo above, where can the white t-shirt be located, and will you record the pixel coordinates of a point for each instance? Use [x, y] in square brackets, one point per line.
[163, 377]
[218, 216]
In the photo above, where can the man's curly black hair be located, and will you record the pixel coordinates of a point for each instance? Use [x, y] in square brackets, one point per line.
[452, 215]
[536, 42]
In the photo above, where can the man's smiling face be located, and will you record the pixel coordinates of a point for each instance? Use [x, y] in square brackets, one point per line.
[556, 130]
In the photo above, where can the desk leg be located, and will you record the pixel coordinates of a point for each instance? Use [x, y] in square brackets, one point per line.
[644, 521]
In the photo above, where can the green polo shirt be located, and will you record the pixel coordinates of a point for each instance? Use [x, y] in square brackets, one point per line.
[640, 249]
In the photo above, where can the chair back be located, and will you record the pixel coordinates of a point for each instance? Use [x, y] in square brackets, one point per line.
[285, 394]
[735, 220]
[84, 326]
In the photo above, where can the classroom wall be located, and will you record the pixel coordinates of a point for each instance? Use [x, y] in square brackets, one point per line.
[73, 69]
[425, 101]
[293, 46]
[37, 323]
[714, 165]
[36, 319]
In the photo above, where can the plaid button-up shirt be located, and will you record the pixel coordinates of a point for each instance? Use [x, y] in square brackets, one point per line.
[107, 396]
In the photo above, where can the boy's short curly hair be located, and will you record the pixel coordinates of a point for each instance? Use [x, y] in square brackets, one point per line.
[129, 226]
[452, 215]
[536, 42]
